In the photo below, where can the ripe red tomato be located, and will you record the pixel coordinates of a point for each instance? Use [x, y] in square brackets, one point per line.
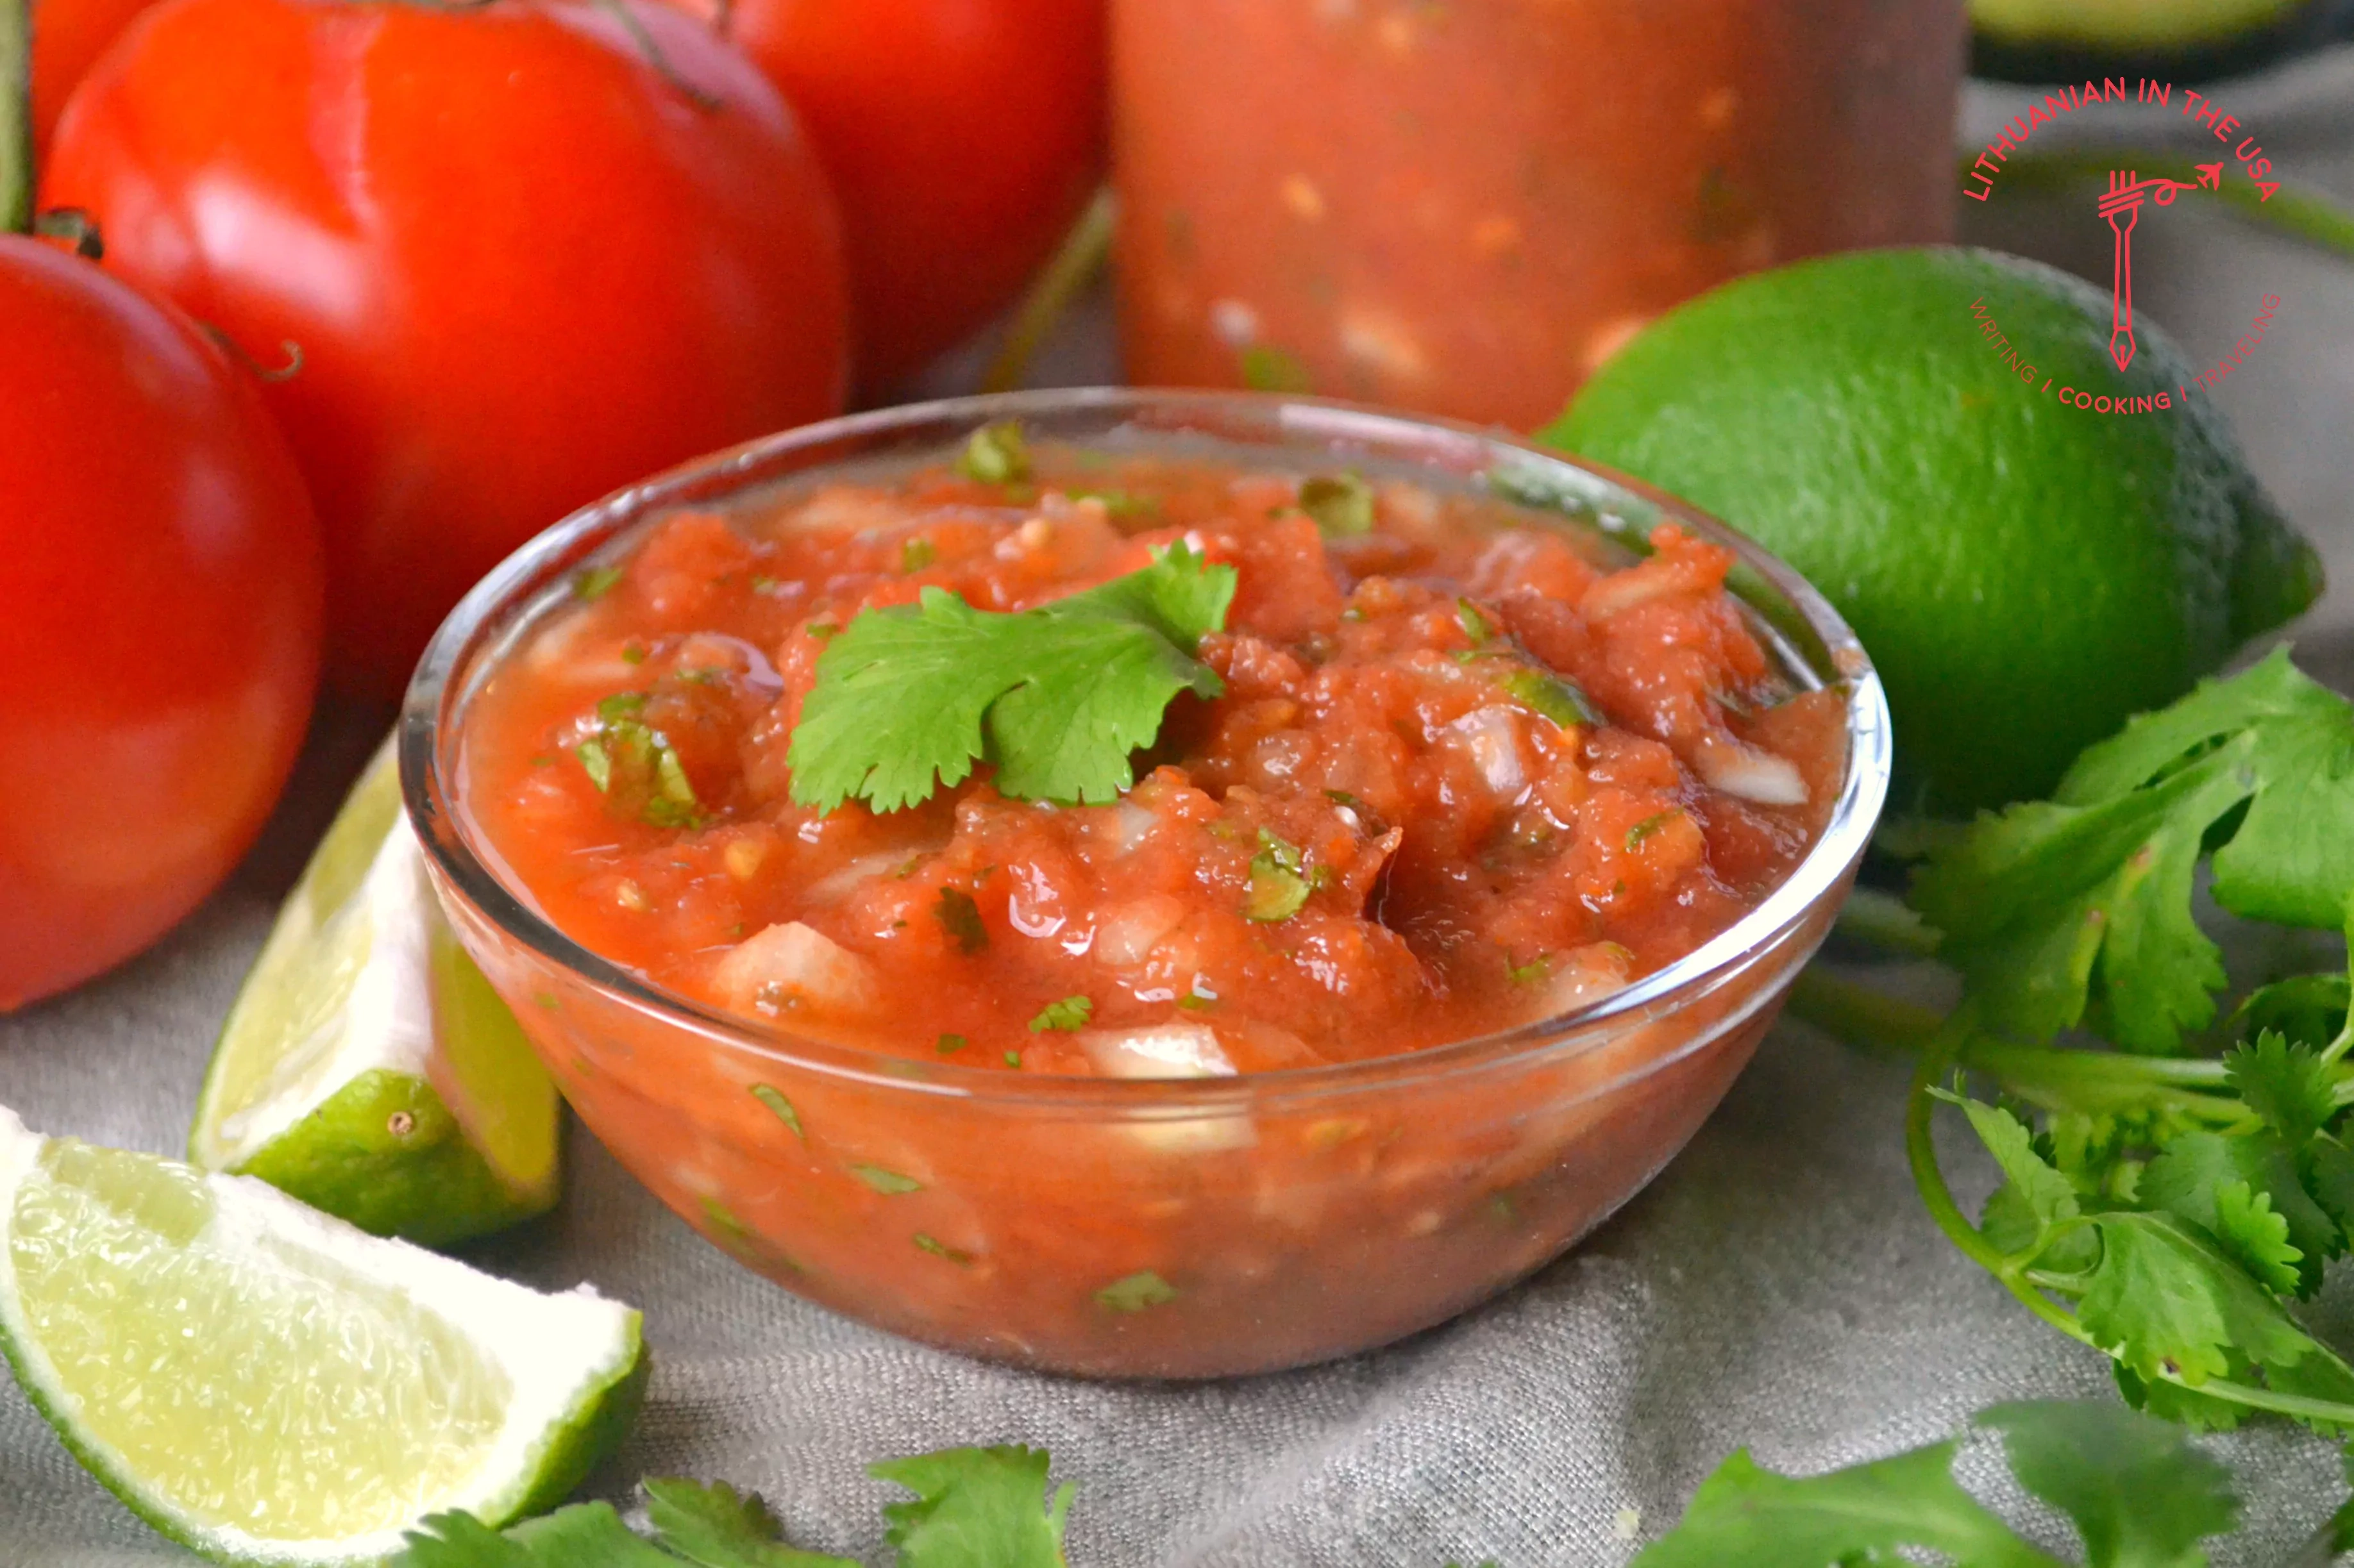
[528, 253]
[962, 137]
[68, 37]
[161, 590]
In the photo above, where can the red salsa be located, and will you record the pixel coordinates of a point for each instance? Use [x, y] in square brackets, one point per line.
[1464, 772]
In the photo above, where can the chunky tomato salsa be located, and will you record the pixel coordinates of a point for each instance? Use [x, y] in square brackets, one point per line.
[1449, 770]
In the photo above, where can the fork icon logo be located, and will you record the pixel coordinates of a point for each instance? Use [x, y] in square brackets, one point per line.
[2121, 206]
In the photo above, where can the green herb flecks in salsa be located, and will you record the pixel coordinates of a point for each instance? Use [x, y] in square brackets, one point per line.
[1646, 828]
[1279, 880]
[959, 917]
[594, 583]
[1069, 1015]
[776, 1102]
[1137, 1292]
[1121, 503]
[996, 455]
[938, 1249]
[634, 767]
[1267, 368]
[1341, 503]
[1550, 695]
[888, 1183]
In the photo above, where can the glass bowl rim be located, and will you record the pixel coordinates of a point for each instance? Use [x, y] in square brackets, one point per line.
[444, 675]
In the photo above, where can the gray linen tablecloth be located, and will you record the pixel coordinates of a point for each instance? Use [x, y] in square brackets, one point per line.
[1778, 1286]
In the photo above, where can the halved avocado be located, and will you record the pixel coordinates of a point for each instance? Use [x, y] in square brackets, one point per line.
[2166, 40]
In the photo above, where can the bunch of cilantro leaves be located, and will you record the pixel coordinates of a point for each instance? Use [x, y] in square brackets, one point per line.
[2139, 1494]
[2176, 1177]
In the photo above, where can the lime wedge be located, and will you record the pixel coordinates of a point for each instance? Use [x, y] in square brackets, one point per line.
[367, 1067]
[269, 1386]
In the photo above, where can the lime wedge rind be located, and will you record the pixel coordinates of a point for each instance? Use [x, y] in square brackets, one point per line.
[572, 1366]
[366, 1066]
[385, 1153]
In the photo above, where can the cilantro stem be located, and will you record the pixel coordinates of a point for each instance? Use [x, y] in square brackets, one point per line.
[1921, 1155]
[1068, 273]
[16, 117]
[1858, 1015]
[1939, 1057]
[2335, 1052]
[1874, 1022]
[1886, 921]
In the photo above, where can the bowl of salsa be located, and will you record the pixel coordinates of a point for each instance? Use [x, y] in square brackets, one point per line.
[1141, 884]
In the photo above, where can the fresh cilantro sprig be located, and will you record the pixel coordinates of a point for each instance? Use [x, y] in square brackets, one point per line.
[909, 698]
[2138, 1493]
[2170, 1198]
[2077, 909]
[972, 1508]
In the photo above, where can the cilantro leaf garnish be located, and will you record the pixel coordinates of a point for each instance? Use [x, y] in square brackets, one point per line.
[705, 1527]
[2136, 1490]
[715, 1526]
[973, 1508]
[2170, 1303]
[2139, 1495]
[1748, 1515]
[2083, 900]
[2287, 1084]
[909, 697]
[976, 1508]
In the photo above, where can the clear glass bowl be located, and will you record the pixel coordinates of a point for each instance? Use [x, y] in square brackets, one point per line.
[1123, 1228]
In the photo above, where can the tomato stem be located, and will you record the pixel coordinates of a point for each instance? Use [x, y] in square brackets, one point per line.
[16, 116]
[642, 40]
[272, 374]
[76, 227]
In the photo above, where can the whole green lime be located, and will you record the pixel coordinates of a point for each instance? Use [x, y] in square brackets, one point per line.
[2026, 573]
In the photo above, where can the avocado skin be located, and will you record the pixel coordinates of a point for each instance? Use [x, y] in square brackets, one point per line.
[2311, 25]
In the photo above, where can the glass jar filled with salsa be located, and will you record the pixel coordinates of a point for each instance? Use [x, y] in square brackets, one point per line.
[1481, 830]
[1464, 207]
